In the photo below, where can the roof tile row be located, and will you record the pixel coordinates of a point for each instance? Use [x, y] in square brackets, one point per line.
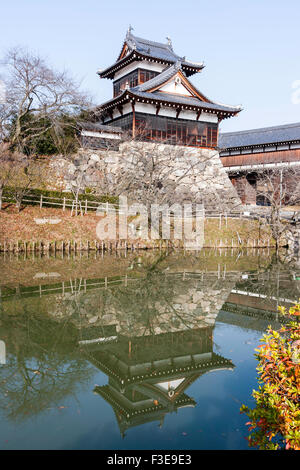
[261, 136]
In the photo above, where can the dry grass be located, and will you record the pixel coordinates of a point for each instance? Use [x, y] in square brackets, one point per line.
[16, 226]
[245, 229]
[22, 226]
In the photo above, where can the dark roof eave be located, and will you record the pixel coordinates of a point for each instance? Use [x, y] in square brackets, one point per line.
[110, 71]
[261, 137]
[127, 94]
[266, 144]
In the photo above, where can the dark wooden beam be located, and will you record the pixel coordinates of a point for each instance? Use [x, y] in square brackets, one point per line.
[120, 109]
[133, 119]
[157, 109]
[178, 111]
[198, 115]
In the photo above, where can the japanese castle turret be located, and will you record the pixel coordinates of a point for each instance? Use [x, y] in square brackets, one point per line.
[154, 100]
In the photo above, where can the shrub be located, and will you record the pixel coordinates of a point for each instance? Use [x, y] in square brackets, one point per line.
[275, 420]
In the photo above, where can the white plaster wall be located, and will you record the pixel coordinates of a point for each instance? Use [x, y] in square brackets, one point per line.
[145, 108]
[283, 147]
[174, 88]
[191, 115]
[139, 64]
[103, 134]
[151, 109]
[126, 109]
[167, 111]
[208, 117]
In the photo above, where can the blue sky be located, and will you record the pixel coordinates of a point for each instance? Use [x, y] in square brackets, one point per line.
[250, 48]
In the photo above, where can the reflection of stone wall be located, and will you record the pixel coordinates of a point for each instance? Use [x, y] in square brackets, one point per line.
[153, 306]
[206, 182]
[293, 240]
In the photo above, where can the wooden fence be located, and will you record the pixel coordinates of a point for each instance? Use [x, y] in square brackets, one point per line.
[67, 246]
[85, 205]
[77, 246]
[82, 285]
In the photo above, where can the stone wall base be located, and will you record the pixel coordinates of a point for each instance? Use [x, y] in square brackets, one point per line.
[188, 174]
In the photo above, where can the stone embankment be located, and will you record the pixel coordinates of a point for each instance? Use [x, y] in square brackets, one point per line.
[197, 175]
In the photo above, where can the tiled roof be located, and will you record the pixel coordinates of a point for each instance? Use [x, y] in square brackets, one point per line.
[184, 100]
[95, 126]
[160, 78]
[170, 98]
[142, 91]
[140, 49]
[158, 50]
[265, 135]
[193, 101]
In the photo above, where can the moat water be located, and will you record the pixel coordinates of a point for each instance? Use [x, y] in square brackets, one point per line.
[144, 351]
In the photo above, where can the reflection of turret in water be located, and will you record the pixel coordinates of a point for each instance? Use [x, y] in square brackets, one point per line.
[148, 376]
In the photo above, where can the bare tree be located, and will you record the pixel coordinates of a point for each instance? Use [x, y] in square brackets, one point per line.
[26, 174]
[156, 173]
[18, 173]
[3, 111]
[36, 97]
[78, 184]
[150, 172]
[6, 168]
[75, 174]
[65, 135]
[279, 188]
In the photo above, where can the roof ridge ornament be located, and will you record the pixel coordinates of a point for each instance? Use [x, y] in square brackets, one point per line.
[130, 28]
[131, 43]
[169, 42]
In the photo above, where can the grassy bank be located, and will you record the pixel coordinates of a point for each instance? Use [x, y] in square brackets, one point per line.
[22, 226]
